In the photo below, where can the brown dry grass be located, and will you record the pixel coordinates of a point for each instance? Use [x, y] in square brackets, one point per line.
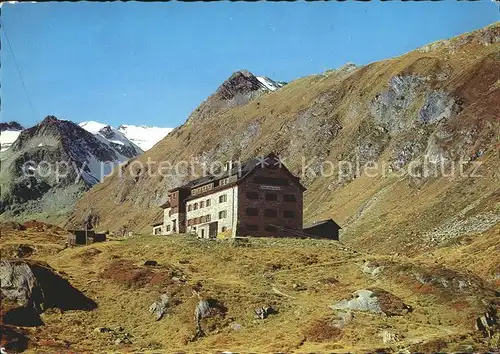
[298, 278]
[322, 330]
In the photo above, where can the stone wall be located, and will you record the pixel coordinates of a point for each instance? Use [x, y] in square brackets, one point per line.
[230, 206]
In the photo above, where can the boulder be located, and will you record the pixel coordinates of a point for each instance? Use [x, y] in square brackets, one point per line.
[236, 326]
[102, 329]
[372, 268]
[24, 251]
[375, 301]
[362, 300]
[27, 288]
[264, 312]
[488, 323]
[151, 263]
[342, 319]
[159, 308]
[207, 308]
[388, 337]
[18, 284]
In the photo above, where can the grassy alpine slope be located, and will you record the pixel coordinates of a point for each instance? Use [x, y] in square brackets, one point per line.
[439, 102]
[300, 279]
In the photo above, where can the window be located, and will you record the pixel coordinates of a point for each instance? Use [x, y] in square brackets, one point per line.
[288, 214]
[222, 214]
[270, 213]
[168, 228]
[202, 233]
[195, 206]
[252, 211]
[224, 181]
[270, 228]
[252, 227]
[223, 198]
[289, 198]
[207, 218]
[271, 197]
[205, 188]
[224, 229]
[208, 202]
[202, 204]
[252, 195]
[190, 207]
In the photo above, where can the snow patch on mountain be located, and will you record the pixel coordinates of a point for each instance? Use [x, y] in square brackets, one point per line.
[9, 131]
[92, 126]
[7, 138]
[270, 84]
[144, 136]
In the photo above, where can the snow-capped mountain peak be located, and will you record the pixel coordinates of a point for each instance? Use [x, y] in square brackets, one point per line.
[92, 126]
[113, 138]
[142, 137]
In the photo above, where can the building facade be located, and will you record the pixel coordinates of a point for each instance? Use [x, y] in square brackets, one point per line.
[260, 197]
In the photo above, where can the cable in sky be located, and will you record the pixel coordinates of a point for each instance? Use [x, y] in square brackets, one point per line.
[17, 66]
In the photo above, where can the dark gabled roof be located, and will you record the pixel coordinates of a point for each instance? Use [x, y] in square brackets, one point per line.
[157, 224]
[240, 169]
[322, 222]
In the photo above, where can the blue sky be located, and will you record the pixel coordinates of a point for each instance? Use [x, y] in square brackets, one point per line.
[153, 63]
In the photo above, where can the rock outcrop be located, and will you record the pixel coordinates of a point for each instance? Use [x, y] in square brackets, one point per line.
[206, 309]
[159, 308]
[29, 288]
[12, 125]
[489, 323]
[374, 301]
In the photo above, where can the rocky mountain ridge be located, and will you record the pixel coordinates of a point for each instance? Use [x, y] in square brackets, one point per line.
[239, 89]
[49, 167]
[115, 139]
[413, 113]
[12, 125]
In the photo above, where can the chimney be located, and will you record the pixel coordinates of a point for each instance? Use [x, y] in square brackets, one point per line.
[228, 165]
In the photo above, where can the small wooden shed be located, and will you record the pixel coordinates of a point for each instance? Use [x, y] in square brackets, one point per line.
[323, 229]
[85, 237]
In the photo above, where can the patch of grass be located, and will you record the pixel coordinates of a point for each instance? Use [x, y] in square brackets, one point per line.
[322, 330]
